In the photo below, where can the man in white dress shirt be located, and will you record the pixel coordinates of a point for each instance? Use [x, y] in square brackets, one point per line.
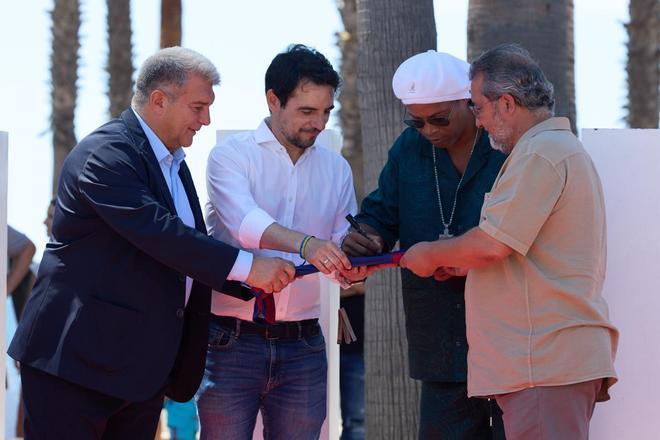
[276, 192]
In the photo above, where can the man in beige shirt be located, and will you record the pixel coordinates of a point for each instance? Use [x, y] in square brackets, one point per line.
[537, 325]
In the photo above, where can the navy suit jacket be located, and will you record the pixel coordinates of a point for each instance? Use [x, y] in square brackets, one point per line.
[107, 311]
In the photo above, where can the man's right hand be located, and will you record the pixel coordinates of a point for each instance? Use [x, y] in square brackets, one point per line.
[357, 245]
[326, 256]
[270, 274]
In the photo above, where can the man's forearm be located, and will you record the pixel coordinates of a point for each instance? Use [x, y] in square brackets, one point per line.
[324, 254]
[279, 238]
[471, 250]
[20, 266]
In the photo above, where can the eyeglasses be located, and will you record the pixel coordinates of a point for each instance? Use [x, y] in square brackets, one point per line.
[475, 109]
[438, 121]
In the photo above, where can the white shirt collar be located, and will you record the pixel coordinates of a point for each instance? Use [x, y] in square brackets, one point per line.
[158, 147]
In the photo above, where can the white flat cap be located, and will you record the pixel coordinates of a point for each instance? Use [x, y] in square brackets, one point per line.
[431, 77]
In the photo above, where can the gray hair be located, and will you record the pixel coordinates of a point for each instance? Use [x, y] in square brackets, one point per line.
[167, 70]
[510, 69]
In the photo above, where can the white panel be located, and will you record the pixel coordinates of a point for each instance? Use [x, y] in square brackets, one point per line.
[3, 266]
[628, 162]
[328, 320]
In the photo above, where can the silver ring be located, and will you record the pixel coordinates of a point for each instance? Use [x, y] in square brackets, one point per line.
[325, 261]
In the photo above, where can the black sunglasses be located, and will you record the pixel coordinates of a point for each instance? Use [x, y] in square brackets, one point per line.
[439, 121]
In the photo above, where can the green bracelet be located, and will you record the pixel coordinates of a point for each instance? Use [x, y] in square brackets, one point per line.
[303, 245]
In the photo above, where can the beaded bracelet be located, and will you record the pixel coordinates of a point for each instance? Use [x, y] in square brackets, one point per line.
[303, 244]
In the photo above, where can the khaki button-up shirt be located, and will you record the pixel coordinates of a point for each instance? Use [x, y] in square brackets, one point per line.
[537, 317]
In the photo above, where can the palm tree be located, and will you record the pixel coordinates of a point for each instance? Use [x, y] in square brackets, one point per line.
[349, 110]
[389, 31]
[643, 63]
[65, 18]
[120, 56]
[170, 23]
[543, 27]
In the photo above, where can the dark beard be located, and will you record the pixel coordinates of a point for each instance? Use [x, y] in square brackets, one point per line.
[298, 142]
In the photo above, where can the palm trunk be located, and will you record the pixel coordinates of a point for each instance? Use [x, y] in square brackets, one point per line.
[120, 56]
[65, 18]
[643, 64]
[389, 31]
[170, 23]
[349, 110]
[543, 27]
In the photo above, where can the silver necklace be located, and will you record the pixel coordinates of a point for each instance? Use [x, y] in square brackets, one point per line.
[445, 234]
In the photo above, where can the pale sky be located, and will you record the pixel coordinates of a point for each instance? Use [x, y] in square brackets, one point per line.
[241, 38]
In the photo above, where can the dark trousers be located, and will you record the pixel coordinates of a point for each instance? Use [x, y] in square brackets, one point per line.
[57, 409]
[446, 413]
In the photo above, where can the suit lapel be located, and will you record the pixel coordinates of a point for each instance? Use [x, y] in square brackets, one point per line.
[143, 146]
[189, 186]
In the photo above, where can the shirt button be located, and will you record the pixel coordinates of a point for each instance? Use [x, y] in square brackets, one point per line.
[459, 306]
[458, 343]
[182, 278]
[179, 313]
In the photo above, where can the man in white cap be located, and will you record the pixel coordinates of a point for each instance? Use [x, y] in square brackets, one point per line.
[431, 187]
[540, 338]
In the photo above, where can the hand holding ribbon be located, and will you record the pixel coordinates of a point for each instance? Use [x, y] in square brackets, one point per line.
[265, 305]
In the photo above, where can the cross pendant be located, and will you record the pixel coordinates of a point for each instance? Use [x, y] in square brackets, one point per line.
[445, 234]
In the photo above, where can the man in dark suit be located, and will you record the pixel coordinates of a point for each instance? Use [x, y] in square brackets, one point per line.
[120, 311]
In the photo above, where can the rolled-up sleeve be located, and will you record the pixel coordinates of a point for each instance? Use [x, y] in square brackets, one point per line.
[228, 186]
[252, 228]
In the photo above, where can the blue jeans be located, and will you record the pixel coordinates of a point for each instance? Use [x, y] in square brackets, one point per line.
[351, 383]
[246, 373]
